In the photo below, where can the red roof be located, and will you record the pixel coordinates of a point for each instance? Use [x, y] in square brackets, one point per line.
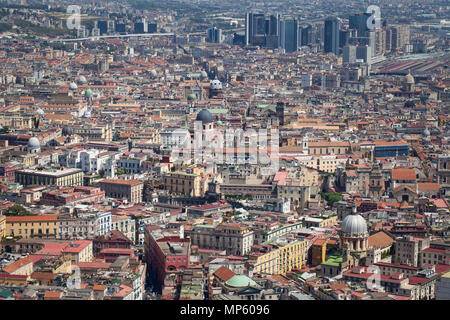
[403, 174]
[224, 274]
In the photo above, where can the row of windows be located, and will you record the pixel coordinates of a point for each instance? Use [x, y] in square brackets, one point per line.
[19, 231]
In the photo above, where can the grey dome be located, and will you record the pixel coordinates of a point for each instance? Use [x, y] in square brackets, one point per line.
[216, 85]
[204, 116]
[67, 131]
[354, 223]
[40, 112]
[153, 73]
[203, 74]
[73, 86]
[426, 132]
[33, 143]
[82, 79]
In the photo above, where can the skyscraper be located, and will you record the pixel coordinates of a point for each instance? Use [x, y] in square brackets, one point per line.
[331, 35]
[102, 25]
[306, 32]
[262, 31]
[215, 35]
[248, 28]
[359, 23]
[289, 36]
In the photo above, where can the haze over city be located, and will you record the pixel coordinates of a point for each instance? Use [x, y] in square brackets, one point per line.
[227, 151]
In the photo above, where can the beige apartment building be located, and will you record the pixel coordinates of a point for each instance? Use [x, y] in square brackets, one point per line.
[132, 190]
[233, 238]
[183, 183]
[126, 225]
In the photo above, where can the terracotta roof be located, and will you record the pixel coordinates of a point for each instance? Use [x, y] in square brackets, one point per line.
[34, 218]
[52, 295]
[43, 275]
[403, 174]
[428, 186]
[131, 182]
[380, 240]
[224, 274]
[397, 189]
[99, 287]
[12, 267]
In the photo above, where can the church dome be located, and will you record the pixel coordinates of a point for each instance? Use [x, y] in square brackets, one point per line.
[82, 79]
[33, 143]
[40, 112]
[240, 281]
[73, 86]
[204, 116]
[426, 132]
[354, 223]
[203, 74]
[191, 97]
[153, 73]
[67, 131]
[88, 92]
[216, 85]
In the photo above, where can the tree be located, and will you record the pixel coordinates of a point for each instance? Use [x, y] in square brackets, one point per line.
[331, 197]
[16, 210]
[120, 171]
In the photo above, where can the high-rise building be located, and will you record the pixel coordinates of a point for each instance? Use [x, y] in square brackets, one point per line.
[400, 36]
[274, 25]
[215, 35]
[141, 27]
[120, 27]
[331, 35]
[344, 36]
[152, 27]
[260, 31]
[349, 54]
[111, 26]
[248, 28]
[289, 35]
[359, 23]
[364, 53]
[306, 38]
[102, 25]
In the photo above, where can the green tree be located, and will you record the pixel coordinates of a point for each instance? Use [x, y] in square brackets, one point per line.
[120, 171]
[331, 197]
[16, 210]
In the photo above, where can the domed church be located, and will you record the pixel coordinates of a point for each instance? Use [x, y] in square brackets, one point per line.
[353, 234]
[206, 118]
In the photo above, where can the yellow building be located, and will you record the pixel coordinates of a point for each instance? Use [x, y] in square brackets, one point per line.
[66, 177]
[2, 226]
[283, 259]
[320, 221]
[329, 147]
[309, 177]
[21, 267]
[39, 226]
[28, 160]
[188, 184]
[79, 251]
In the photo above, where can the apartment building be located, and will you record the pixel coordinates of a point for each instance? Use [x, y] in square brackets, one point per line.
[132, 190]
[282, 257]
[36, 226]
[234, 238]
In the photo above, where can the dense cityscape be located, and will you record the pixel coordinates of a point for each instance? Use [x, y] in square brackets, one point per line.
[224, 150]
